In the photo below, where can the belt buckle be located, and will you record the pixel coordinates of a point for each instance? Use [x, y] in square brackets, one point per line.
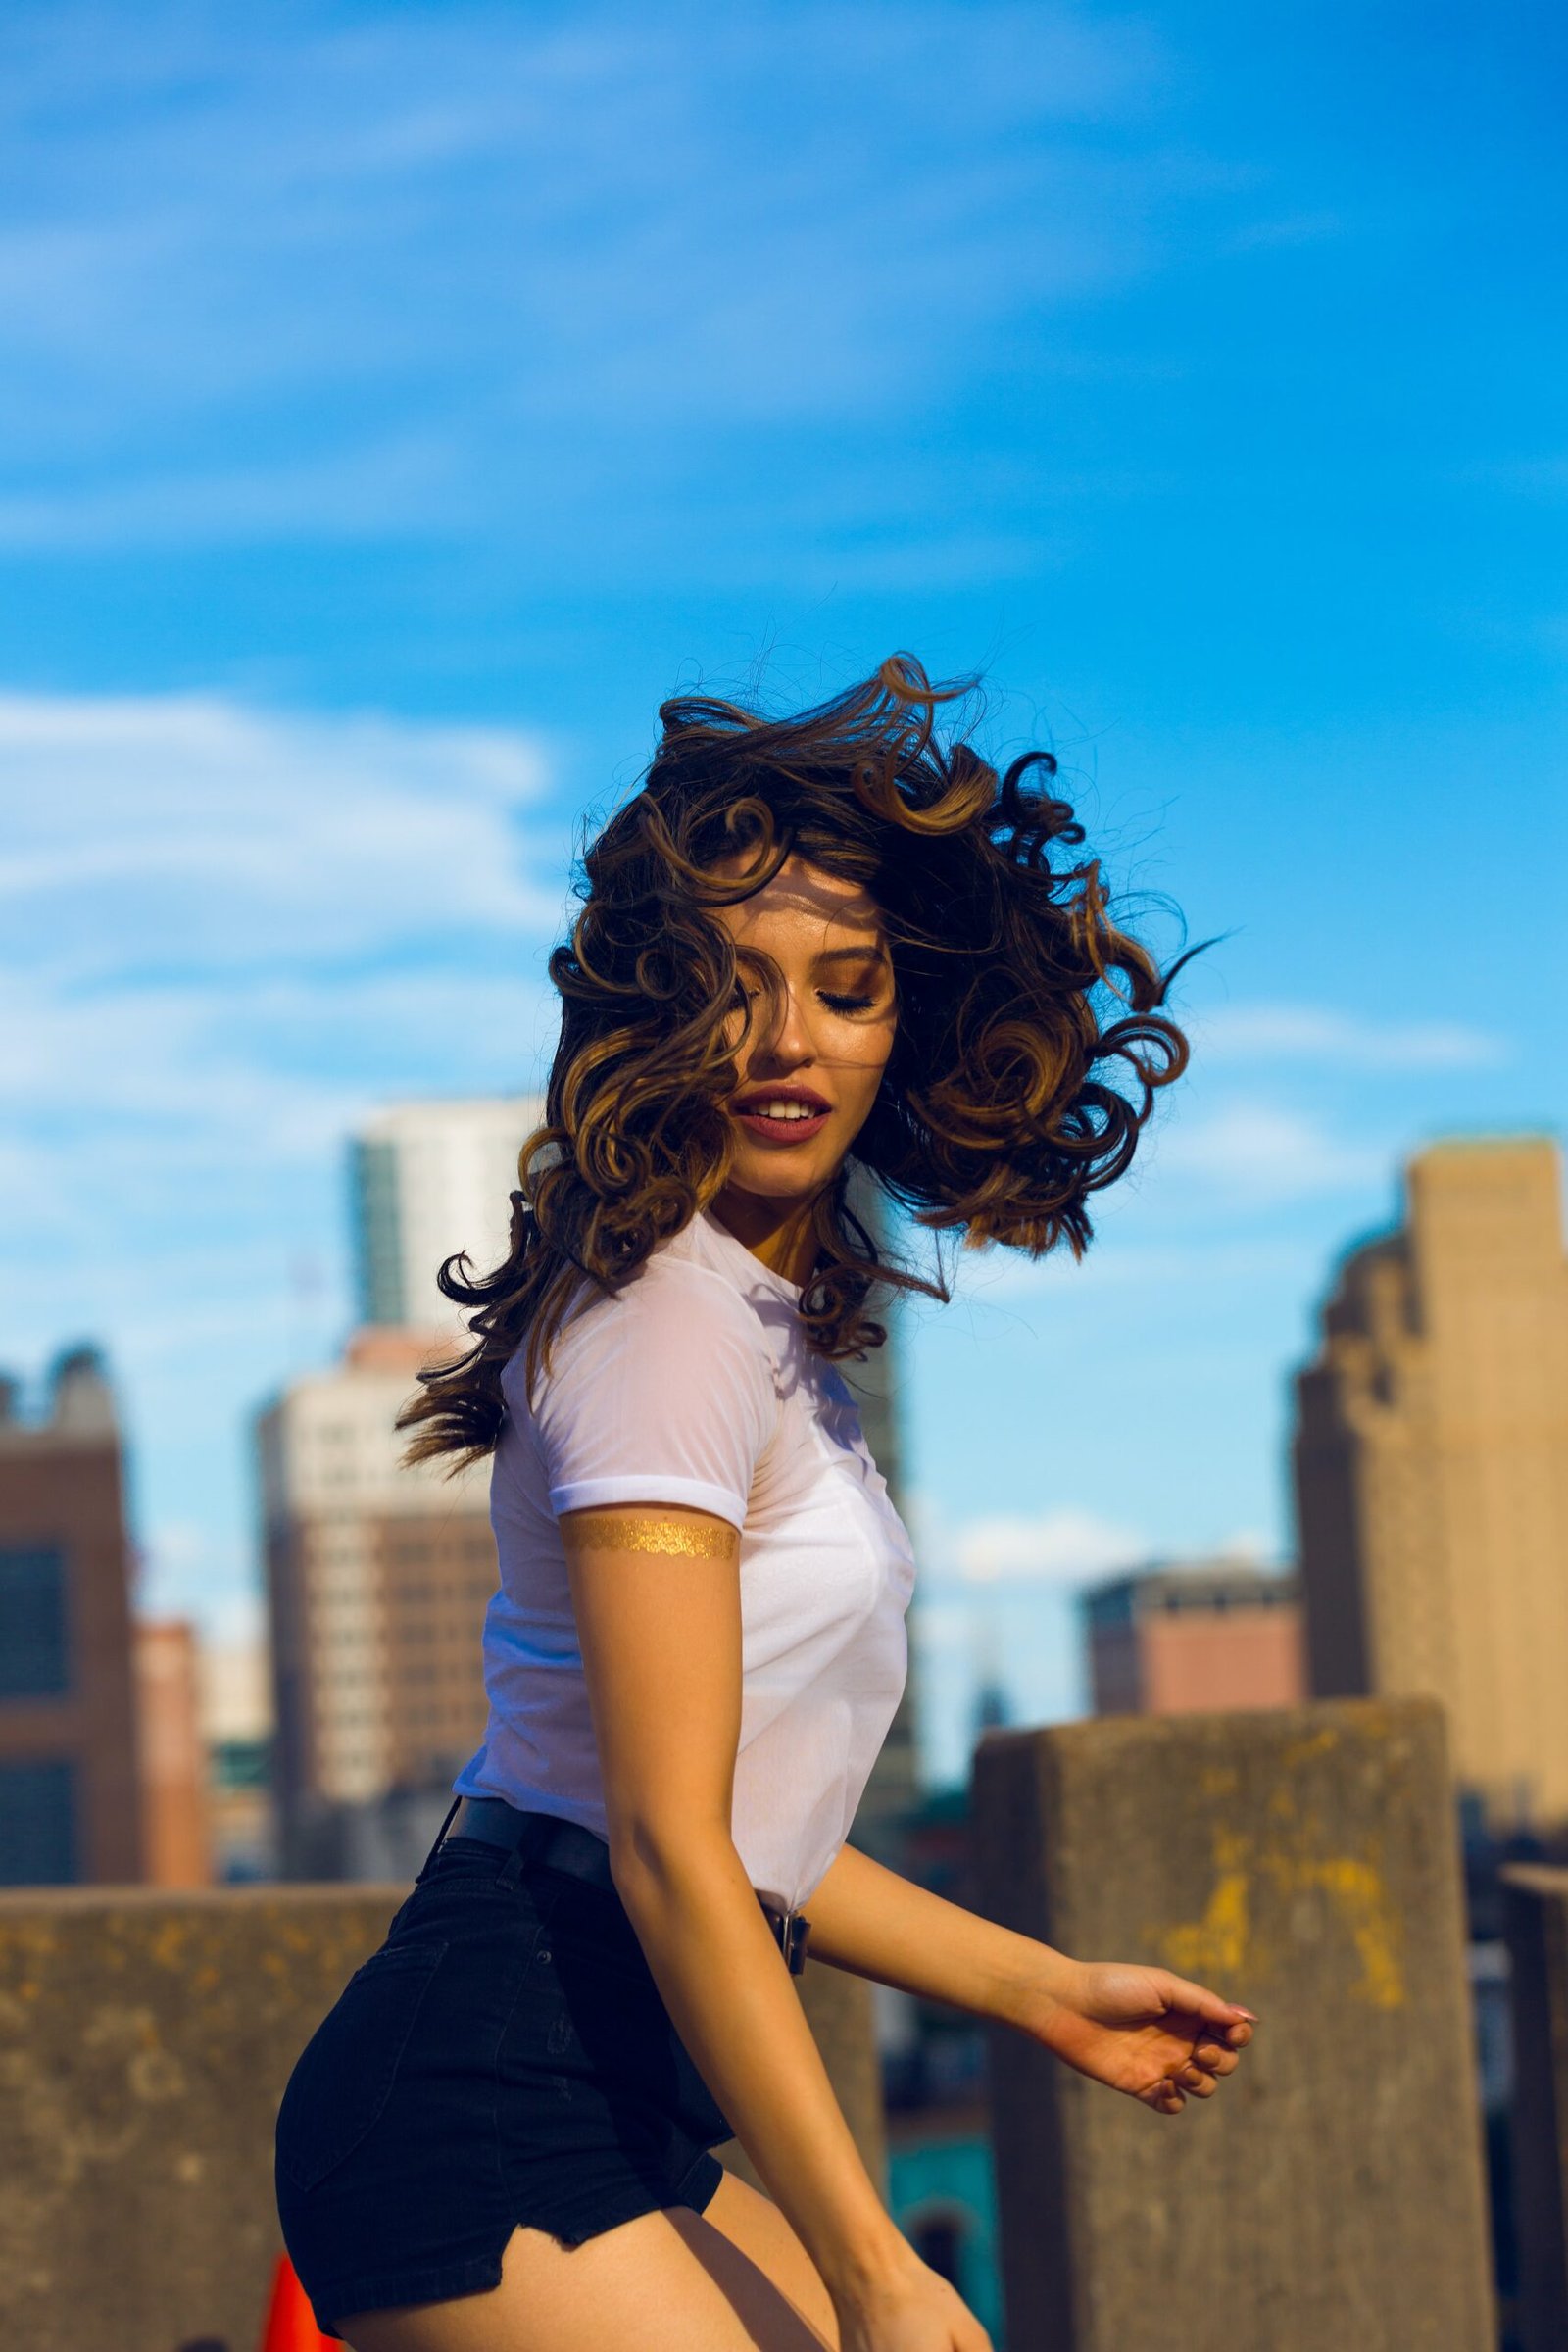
[791, 1931]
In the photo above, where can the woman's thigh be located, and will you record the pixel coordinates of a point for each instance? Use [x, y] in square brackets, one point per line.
[669, 2281]
[755, 2224]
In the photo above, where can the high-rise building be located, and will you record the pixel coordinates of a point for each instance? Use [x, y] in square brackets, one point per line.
[894, 1788]
[378, 1582]
[70, 1784]
[430, 1179]
[378, 1576]
[237, 1727]
[1431, 1464]
[176, 1826]
[1176, 1640]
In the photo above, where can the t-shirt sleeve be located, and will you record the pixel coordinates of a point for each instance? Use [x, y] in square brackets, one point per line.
[663, 1394]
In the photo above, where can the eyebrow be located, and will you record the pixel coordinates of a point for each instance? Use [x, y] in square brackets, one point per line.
[870, 954]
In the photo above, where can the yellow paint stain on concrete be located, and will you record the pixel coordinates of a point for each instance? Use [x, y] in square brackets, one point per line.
[1226, 1943]
[1215, 1946]
[167, 1949]
[24, 1943]
[1359, 1894]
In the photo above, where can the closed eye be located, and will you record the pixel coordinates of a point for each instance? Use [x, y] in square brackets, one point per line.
[847, 1004]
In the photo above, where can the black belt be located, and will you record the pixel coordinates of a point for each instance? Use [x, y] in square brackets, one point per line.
[567, 1845]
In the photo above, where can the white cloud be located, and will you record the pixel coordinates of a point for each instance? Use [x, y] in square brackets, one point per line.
[185, 831]
[1249, 1547]
[1302, 1033]
[225, 934]
[1264, 1153]
[383, 488]
[218, 1068]
[466, 270]
[1056, 1547]
[1061, 1549]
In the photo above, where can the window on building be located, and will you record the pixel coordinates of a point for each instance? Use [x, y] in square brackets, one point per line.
[38, 1844]
[34, 1645]
[240, 1763]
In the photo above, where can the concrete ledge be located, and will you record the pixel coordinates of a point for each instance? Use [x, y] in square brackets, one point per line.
[144, 2043]
[145, 2039]
[1302, 1860]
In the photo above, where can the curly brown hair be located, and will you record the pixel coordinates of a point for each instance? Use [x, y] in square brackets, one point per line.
[1016, 996]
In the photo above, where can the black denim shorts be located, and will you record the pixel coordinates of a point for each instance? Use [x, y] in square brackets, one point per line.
[504, 2058]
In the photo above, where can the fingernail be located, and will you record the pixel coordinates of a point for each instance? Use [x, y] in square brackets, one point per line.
[1249, 2014]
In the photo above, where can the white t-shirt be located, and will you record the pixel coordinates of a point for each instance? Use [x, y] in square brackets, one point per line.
[694, 1385]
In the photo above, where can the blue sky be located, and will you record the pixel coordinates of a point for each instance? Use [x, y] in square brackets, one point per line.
[399, 401]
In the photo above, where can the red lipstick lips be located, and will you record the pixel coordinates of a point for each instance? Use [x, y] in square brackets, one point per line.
[780, 1133]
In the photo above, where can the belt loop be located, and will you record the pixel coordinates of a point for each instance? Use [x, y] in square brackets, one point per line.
[440, 1840]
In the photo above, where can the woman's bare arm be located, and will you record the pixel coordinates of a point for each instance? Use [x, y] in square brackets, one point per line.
[1142, 2030]
[870, 1921]
[657, 1594]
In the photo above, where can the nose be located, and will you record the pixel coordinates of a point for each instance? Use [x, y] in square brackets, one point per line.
[783, 1040]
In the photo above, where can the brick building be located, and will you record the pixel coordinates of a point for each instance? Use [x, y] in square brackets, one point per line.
[1177, 1639]
[377, 1583]
[70, 1784]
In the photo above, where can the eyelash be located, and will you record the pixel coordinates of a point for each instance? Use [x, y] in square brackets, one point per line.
[838, 1004]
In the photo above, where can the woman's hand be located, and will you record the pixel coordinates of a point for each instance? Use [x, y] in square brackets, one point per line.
[906, 2307]
[1157, 2036]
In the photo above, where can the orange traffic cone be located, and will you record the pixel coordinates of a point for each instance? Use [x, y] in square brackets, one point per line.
[290, 2321]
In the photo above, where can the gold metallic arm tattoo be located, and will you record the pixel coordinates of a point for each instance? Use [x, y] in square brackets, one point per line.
[633, 1530]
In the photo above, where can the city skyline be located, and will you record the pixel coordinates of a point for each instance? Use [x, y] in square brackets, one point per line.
[354, 535]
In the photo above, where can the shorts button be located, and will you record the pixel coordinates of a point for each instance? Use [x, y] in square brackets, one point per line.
[544, 1956]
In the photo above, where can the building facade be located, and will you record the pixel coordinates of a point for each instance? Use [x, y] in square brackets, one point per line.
[427, 1180]
[1431, 1461]
[69, 1779]
[177, 1816]
[894, 1788]
[1175, 1641]
[236, 1726]
[378, 1582]
[378, 1577]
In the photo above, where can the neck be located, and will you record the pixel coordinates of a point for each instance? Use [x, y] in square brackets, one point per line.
[779, 1234]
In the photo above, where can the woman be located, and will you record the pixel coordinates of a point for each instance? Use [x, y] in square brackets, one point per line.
[803, 941]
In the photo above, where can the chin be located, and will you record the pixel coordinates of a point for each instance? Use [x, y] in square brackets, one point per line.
[772, 1178]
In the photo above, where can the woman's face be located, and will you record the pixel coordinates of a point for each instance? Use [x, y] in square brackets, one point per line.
[811, 1065]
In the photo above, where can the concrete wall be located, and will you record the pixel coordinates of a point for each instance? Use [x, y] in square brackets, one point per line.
[1302, 1861]
[1536, 1924]
[145, 2039]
